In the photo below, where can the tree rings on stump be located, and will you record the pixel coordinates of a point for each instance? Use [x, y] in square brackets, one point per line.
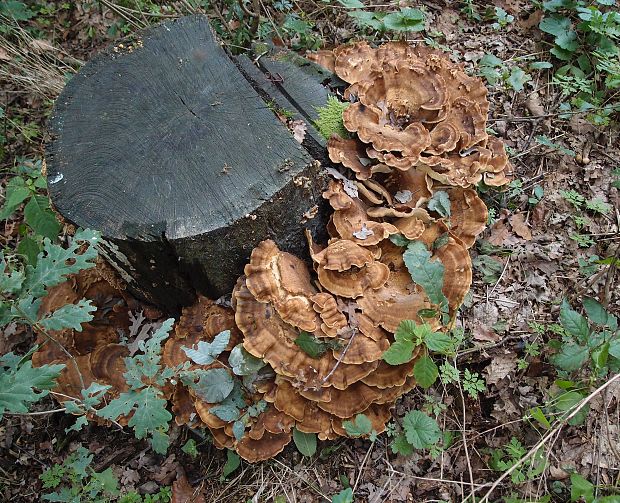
[164, 146]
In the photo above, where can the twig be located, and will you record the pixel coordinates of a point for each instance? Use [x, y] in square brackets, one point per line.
[361, 470]
[344, 352]
[38, 413]
[469, 468]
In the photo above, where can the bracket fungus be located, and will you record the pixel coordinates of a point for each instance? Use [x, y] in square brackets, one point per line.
[313, 336]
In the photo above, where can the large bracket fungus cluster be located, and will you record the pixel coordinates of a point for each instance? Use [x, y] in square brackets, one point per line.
[417, 147]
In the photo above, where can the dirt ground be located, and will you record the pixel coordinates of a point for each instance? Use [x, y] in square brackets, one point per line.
[534, 262]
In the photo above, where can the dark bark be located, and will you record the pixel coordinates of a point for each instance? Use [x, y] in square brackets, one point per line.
[174, 154]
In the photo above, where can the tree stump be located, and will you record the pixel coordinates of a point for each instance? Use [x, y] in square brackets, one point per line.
[170, 148]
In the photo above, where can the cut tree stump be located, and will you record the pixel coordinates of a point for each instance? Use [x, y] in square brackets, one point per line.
[170, 148]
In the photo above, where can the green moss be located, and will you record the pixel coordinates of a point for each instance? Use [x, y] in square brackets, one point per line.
[330, 118]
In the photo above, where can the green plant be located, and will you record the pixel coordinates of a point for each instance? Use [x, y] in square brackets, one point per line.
[473, 383]
[582, 240]
[495, 71]
[404, 20]
[582, 489]
[502, 18]
[233, 461]
[305, 442]
[29, 186]
[503, 459]
[409, 336]
[593, 339]
[584, 37]
[22, 288]
[329, 121]
[419, 432]
[344, 496]
[21, 384]
[547, 142]
[75, 481]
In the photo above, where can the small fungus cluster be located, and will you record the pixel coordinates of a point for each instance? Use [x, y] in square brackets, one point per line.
[417, 147]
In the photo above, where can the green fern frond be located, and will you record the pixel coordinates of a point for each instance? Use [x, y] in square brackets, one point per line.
[330, 118]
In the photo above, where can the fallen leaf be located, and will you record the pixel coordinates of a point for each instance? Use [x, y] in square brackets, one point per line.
[299, 129]
[532, 20]
[518, 224]
[183, 492]
[500, 367]
[166, 471]
[483, 333]
[499, 233]
[532, 103]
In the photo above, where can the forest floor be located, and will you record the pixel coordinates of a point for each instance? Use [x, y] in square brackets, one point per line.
[552, 235]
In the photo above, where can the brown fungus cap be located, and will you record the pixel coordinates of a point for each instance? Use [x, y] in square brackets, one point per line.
[269, 337]
[283, 280]
[349, 153]
[468, 215]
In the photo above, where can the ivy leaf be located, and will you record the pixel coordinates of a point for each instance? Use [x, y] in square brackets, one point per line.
[19, 383]
[421, 430]
[571, 357]
[440, 203]
[227, 413]
[574, 323]
[399, 240]
[305, 442]
[233, 461]
[69, 316]
[243, 363]
[359, 427]
[425, 272]
[310, 345]
[207, 352]
[425, 371]
[41, 218]
[581, 488]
